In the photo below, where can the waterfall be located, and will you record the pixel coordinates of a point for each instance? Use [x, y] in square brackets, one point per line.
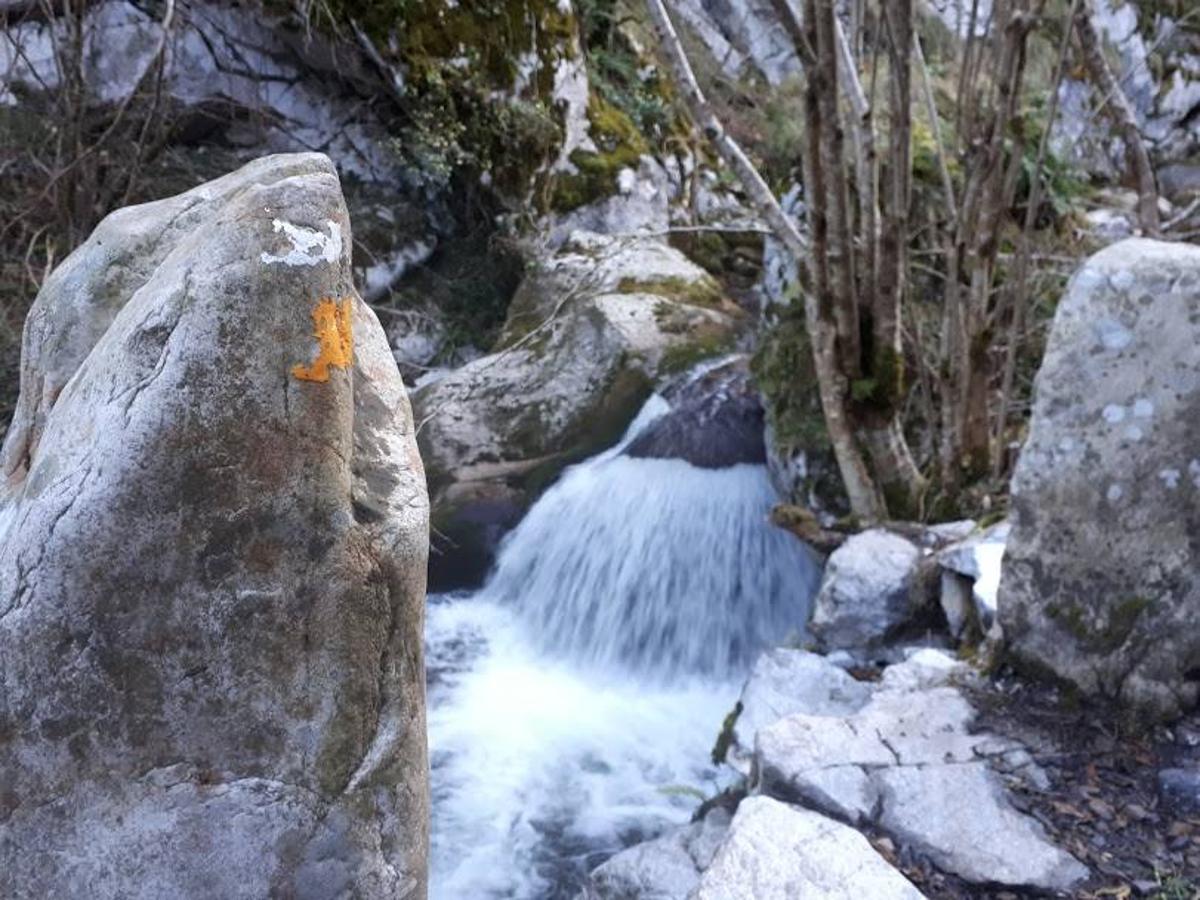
[574, 699]
[655, 566]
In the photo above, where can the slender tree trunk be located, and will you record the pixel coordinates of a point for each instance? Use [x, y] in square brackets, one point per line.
[1121, 113]
[895, 468]
[840, 251]
[865, 501]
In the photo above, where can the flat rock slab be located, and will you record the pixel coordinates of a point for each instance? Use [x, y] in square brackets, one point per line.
[787, 681]
[906, 762]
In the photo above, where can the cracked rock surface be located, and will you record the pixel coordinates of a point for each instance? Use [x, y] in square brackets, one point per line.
[907, 763]
[212, 569]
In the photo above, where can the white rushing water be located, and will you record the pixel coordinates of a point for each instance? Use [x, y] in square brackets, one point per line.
[574, 700]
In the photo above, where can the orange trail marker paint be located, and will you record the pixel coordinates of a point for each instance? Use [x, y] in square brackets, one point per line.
[331, 319]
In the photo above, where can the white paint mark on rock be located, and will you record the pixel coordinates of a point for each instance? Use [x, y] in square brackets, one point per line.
[1170, 477]
[1143, 408]
[1115, 493]
[309, 247]
[1113, 414]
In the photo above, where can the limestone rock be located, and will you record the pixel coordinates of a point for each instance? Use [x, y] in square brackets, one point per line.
[588, 337]
[868, 591]
[780, 852]
[666, 868]
[213, 535]
[908, 763]
[1098, 583]
[736, 33]
[785, 682]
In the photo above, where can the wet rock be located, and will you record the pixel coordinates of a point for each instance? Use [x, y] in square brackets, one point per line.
[1098, 583]
[868, 592]
[715, 420]
[1179, 791]
[779, 852]
[588, 338]
[213, 532]
[666, 868]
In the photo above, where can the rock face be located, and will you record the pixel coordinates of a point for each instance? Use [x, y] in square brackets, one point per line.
[587, 339]
[868, 592]
[213, 536]
[1098, 582]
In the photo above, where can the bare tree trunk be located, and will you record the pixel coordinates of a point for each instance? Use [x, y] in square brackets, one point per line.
[865, 501]
[843, 283]
[1119, 109]
[897, 472]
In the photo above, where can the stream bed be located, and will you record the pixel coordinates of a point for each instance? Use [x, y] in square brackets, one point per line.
[574, 700]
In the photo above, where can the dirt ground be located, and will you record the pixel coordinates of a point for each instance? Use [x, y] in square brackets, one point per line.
[1103, 803]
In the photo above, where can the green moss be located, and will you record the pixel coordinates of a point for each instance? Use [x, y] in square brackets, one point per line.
[696, 291]
[457, 60]
[1117, 628]
[783, 369]
[598, 428]
[720, 749]
[1122, 619]
[702, 344]
[619, 145]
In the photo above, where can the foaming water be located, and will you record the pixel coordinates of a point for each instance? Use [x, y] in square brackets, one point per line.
[574, 699]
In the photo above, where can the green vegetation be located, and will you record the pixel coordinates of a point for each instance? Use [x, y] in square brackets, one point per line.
[695, 291]
[619, 145]
[720, 749]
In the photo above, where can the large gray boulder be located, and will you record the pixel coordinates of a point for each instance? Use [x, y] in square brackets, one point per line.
[213, 536]
[1099, 579]
[589, 335]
